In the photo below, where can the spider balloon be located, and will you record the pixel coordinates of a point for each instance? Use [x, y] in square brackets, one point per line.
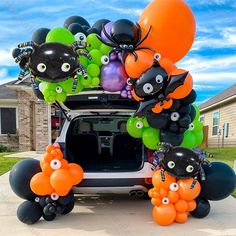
[125, 37]
[52, 62]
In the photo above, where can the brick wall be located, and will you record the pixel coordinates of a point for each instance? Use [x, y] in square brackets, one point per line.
[11, 141]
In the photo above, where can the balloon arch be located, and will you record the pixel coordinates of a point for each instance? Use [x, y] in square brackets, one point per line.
[137, 60]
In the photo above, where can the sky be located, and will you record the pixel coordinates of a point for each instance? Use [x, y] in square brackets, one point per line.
[211, 61]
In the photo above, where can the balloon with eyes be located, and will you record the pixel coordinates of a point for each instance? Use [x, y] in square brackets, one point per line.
[52, 62]
[182, 163]
[125, 37]
[155, 89]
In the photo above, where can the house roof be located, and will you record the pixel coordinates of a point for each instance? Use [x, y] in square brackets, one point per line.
[221, 97]
[6, 92]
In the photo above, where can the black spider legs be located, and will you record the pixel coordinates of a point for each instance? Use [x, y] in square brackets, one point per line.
[193, 183]
[83, 71]
[85, 54]
[23, 72]
[79, 45]
[32, 78]
[144, 38]
[27, 44]
[75, 82]
[163, 178]
[23, 55]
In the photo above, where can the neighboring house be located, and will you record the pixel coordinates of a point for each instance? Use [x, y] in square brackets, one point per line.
[25, 121]
[219, 114]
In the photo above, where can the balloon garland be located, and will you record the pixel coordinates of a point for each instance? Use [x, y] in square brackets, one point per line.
[137, 60]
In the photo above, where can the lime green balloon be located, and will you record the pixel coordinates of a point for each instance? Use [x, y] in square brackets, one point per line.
[189, 139]
[96, 57]
[83, 61]
[151, 138]
[135, 127]
[93, 70]
[199, 138]
[198, 126]
[86, 82]
[49, 99]
[197, 111]
[94, 42]
[105, 49]
[60, 35]
[145, 122]
[95, 81]
[61, 97]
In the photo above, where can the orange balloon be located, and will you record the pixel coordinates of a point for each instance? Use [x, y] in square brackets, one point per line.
[46, 168]
[61, 180]
[157, 180]
[135, 69]
[181, 206]
[49, 148]
[47, 157]
[151, 192]
[164, 214]
[40, 184]
[173, 196]
[173, 28]
[192, 205]
[185, 192]
[64, 164]
[181, 217]
[183, 90]
[167, 64]
[56, 154]
[76, 172]
[156, 201]
[163, 193]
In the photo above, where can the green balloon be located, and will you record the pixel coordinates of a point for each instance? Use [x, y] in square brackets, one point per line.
[93, 70]
[94, 42]
[61, 97]
[151, 138]
[199, 138]
[96, 57]
[95, 81]
[135, 127]
[60, 35]
[189, 139]
[86, 82]
[197, 111]
[198, 126]
[49, 99]
[145, 122]
[83, 61]
[105, 49]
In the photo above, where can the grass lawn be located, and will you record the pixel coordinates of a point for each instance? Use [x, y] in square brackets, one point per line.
[6, 163]
[226, 155]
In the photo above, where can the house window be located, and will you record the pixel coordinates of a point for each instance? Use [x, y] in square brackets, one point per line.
[7, 120]
[201, 119]
[216, 116]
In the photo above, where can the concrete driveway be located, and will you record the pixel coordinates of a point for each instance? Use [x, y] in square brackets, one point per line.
[113, 215]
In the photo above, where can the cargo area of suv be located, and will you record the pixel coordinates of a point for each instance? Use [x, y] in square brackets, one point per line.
[100, 143]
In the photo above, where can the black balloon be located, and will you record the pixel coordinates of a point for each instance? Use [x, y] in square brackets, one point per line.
[20, 177]
[172, 138]
[92, 31]
[66, 199]
[16, 52]
[68, 208]
[220, 181]
[76, 19]
[49, 217]
[192, 113]
[85, 28]
[158, 121]
[29, 212]
[75, 28]
[203, 208]
[36, 90]
[39, 36]
[98, 25]
[190, 98]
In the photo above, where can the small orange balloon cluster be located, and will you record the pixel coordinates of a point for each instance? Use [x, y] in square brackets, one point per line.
[57, 176]
[172, 199]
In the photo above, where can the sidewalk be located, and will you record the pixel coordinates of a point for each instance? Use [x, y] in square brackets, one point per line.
[113, 215]
[29, 154]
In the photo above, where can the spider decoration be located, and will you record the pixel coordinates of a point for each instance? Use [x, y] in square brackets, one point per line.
[125, 37]
[154, 88]
[182, 163]
[51, 62]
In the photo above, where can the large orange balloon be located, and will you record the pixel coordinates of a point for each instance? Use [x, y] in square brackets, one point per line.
[40, 184]
[181, 217]
[135, 69]
[167, 64]
[173, 28]
[62, 181]
[181, 206]
[76, 172]
[157, 180]
[164, 214]
[186, 192]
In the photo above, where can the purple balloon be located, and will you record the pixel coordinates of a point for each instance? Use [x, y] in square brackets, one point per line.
[113, 76]
[107, 27]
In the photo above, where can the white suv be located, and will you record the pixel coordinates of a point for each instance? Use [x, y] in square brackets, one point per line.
[94, 136]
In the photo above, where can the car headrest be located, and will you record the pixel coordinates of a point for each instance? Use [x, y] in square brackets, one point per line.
[85, 127]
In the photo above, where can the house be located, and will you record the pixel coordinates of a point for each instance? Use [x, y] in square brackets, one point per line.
[25, 121]
[219, 115]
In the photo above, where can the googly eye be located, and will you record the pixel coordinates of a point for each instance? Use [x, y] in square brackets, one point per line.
[165, 201]
[131, 46]
[174, 187]
[105, 60]
[55, 164]
[54, 196]
[41, 87]
[80, 37]
[125, 46]
[159, 79]
[58, 89]
[157, 56]
[36, 199]
[41, 67]
[171, 164]
[191, 126]
[139, 124]
[147, 88]
[65, 67]
[174, 116]
[189, 168]
[129, 81]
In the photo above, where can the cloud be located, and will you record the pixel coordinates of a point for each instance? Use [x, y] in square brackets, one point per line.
[3, 73]
[6, 57]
